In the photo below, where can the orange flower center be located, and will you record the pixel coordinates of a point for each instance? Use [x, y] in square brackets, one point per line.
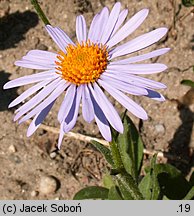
[83, 63]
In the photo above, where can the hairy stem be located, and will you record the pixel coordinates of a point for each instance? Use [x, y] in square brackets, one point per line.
[40, 12]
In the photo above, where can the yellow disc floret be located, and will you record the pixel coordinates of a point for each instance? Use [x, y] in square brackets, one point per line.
[83, 63]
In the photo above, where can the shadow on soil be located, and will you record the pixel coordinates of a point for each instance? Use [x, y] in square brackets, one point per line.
[192, 43]
[179, 145]
[6, 96]
[14, 26]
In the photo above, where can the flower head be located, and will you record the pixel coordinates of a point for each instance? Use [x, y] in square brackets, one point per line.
[83, 69]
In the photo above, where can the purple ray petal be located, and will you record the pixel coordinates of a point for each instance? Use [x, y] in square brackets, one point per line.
[35, 63]
[71, 118]
[47, 75]
[40, 56]
[67, 103]
[128, 28]
[155, 95]
[28, 93]
[138, 43]
[81, 29]
[124, 86]
[64, 36]
[108, 109]
[137, 68]
[87, 107]
[36, 99]
[136, 80]
[121, 19]
[129, 104]
[142, 57]
[93, 26]
[101, 120]
[62, 85]
[61, 134]
[114, 14]
[58, 39]
[97, 27]
[38, 119]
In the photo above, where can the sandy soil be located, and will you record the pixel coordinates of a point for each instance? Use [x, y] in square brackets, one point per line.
[25, 162]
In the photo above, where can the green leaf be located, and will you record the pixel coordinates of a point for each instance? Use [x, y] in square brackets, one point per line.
[114, 133]
[172, 182]
[128, 187]
[93, 192]
[104, 150]
[191, 180]
[165, 198]
[168, 179]
[108, 181]
[144, 186]
[155, 188]
[131, 148]
[114, 193]
[149, 186]
[188, 3]
[190, 194]
[188, 83]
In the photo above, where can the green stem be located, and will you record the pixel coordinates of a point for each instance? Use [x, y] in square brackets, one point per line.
[116, 156]
[124, 114]
[40, 12]
[118, 164]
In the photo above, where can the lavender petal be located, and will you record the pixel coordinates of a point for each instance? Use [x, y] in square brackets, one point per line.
[138, 43]
[142, 57]
[124, 86]
[36, 99]
[114, 14]
[81, 29]
[62, 85]
[71, 118]
[67, 103]
[137, 68]
[155, 95]
[129, 104]
[121, 19]
[128, 28]
[101, 120]
[60, 41]
[63, 36]
[108, 109]
[93, 26]
[61, 134]
[39, 56]
[38, 119]
[135, 80]
[47, 75]
[35, 64]
[101, 24]
[87, 107]
[28, 93]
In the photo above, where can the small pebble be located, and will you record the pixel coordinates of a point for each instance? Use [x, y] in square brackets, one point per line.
[4, 8]
[15, 159]
[34, 193]
[42, 47]
[48, 184]
[57, 198]
[53, 155]
[160, 128]
[12, 149]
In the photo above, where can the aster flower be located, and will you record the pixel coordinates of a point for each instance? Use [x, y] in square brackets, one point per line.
[82, 70]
